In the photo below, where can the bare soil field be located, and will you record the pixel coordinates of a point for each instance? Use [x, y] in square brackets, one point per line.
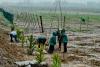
[83, 48]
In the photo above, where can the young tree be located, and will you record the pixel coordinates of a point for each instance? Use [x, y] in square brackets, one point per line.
[56, 60]
[31, 44]
[40, 55]
[22, 39]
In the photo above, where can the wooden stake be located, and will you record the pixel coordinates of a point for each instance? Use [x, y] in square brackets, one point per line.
[41, 24]
[64, 22]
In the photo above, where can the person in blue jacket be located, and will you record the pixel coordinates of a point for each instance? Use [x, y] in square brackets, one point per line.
[64, 40]
[52, 43]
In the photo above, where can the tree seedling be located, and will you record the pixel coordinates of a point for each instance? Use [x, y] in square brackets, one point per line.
[22, 39]
[40, 55]
[56, 60]
[31, 44]
[19, 34]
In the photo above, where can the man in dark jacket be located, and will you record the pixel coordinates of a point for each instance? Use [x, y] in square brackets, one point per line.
[59, 38]
[64, 40]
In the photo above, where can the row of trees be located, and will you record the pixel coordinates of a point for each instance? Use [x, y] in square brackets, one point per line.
[30, 41]
[33, 19]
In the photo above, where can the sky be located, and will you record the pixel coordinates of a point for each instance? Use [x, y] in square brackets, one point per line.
[72, 1]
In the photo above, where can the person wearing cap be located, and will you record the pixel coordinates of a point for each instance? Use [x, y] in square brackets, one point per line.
[64, 40]
[52, 43]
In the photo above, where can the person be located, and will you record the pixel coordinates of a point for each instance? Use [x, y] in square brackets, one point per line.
[59, 38]
[64, 40]
[13, 34]
[52, 43]
[41, 39]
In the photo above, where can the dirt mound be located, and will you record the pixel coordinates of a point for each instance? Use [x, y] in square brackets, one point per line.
[95, 62]
[96, 50]
[85, 43]
[9, 53]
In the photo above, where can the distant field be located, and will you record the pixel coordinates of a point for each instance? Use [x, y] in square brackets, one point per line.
[93, 17]
[51, 19]
[26, 13]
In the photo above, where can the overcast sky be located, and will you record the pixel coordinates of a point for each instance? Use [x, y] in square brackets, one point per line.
[77, 1]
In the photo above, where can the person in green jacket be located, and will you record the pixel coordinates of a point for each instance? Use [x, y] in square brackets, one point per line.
[41, 39]
[64, 40]
[52, 43]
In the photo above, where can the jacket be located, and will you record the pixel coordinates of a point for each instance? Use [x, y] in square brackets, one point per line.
[64, 38]
[52, 40]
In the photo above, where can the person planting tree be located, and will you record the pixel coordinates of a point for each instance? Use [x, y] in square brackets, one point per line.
[59, 38]
[13, 34]
[41, 39]
[52, 42]
[64, 40]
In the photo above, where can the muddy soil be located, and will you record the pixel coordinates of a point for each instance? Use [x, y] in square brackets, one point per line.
[83, 50]
[9, 52]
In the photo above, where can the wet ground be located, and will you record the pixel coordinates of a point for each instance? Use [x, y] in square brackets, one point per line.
[83, 49]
